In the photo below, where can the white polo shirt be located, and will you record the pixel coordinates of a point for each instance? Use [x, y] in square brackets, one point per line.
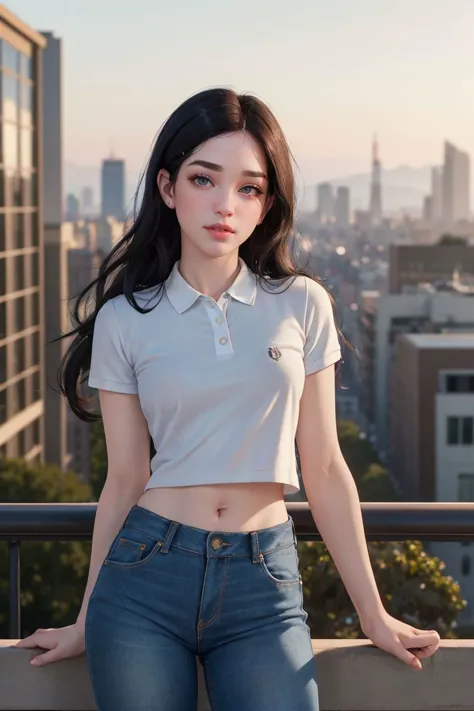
[219, 382]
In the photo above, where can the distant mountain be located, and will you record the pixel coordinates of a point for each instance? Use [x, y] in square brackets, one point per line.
[402, 187]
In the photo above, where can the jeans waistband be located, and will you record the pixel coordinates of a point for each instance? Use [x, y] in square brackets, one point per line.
[218, 544]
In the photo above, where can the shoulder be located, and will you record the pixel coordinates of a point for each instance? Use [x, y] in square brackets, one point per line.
[119, 306]
[302, 291]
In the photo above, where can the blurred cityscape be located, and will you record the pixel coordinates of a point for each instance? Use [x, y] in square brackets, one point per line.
[402, 276]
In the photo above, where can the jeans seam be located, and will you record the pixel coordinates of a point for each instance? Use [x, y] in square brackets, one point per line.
[210, 690]
[219, 604]
[136, 564]
[139, 530]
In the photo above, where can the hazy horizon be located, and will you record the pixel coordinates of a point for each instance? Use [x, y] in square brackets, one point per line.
[334, 75]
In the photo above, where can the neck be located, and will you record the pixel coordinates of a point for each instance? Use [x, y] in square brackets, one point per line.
[210, 277]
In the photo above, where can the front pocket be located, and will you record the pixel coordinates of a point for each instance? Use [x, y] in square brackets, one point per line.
[281, 566]
[132, 548]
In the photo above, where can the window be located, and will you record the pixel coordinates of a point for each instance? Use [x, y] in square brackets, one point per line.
[36, 386]
[19, 273]
[19, 355]
[3, 322]
[26, 148]
[36, 309]
[19, 305]
[10, 57]
[3, 364]
[2, 233]
[3, 406]
[465, 565]
[35, 276]
[26, 65]
[11, 98]
[3, 277]
[18, 231]
[466, 487]
[460, 383]
[10, 145]
[460, 430]
[26, 104]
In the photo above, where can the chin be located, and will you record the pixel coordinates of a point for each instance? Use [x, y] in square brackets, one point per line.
[218, 249]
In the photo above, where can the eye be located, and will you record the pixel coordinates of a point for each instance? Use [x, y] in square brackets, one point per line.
[257, 188]
[204, 178]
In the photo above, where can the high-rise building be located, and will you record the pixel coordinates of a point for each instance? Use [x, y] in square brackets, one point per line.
[325, 207]
[410, 264]
[455, 185]
[436, 193]
[83, 265]
[113, 188]
[72, 208]
[342, 211]
[432, 434]
[375, 205]
[22, 331]
[87, 201]
[55, 251]
[383, 319]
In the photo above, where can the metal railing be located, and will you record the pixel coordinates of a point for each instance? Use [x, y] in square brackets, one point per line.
[382, 522]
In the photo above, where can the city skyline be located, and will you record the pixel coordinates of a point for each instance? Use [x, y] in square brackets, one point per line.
[329, 95]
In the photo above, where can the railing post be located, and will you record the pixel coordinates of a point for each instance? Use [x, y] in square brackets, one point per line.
[14, 592]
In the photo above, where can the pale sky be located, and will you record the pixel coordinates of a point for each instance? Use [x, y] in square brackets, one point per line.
[334, 72]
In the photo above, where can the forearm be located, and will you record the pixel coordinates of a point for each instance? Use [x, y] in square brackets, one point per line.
[335, 507]
[112, 508]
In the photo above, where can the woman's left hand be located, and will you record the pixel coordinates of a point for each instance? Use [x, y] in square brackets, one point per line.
[403, 641]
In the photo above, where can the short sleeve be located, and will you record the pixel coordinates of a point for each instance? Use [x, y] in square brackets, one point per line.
[322, 347]
[110, 368]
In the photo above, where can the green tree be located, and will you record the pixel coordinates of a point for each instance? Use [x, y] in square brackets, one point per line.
[411, 583]
[452, 240]
[53, 573]
[98, 458]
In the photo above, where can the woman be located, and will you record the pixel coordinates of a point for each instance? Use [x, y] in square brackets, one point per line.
[208, 338]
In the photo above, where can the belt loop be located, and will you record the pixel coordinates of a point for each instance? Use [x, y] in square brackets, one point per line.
[295, 538]
[169, 536]
[255, 547]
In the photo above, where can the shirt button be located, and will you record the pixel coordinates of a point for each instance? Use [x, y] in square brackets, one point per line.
[223, 340]
[218, 319]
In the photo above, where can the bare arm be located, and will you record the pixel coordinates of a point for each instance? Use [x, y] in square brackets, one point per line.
[128, 468]
[332, 493]
[335, 506]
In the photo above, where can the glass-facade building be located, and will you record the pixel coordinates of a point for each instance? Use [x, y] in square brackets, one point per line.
[21, 242]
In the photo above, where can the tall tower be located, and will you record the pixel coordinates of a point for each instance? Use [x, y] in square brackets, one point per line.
[375, 207]
[113, 188]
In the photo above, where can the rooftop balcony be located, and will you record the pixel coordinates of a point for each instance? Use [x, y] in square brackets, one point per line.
[353, 675]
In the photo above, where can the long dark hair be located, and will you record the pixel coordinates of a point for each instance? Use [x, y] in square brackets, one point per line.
[146, 254]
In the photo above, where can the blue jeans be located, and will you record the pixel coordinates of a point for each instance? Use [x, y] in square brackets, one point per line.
[169, 594]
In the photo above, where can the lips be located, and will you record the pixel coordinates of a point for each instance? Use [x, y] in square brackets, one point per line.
[220, 228]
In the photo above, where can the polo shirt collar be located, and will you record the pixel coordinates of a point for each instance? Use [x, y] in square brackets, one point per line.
[182, 295]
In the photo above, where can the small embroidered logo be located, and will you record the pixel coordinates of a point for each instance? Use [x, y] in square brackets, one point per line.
[274, 352]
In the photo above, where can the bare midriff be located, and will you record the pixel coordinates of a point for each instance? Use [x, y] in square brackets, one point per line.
[220, 507]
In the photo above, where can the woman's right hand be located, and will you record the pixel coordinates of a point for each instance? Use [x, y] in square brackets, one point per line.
[60, 643]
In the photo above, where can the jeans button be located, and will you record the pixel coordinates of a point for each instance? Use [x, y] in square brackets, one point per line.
[216, 543]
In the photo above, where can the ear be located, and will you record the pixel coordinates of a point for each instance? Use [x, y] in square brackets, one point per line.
[165, 187]
[267, 208]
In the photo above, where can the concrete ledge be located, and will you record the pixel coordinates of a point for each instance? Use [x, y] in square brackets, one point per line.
[353, 676]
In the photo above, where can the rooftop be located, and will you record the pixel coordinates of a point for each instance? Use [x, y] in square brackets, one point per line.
[447, 341]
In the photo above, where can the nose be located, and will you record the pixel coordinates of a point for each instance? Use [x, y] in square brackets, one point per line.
[224, 205]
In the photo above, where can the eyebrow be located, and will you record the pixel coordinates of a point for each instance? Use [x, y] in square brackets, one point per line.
[215, 166]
